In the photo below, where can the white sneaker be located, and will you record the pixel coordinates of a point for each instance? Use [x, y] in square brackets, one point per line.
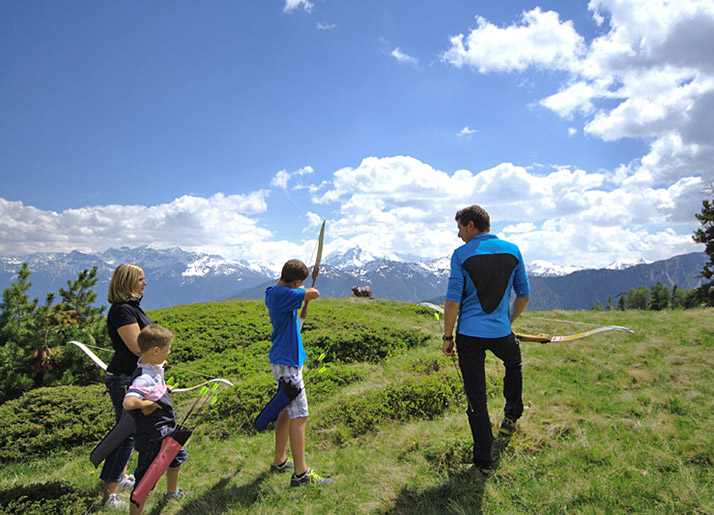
[127, 482]
[115, 502]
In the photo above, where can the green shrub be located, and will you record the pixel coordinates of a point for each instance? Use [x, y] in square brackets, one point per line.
[447, 457]
[45, 499]
[421, 398]
[358, 341]
[204, 330]
[236, 409]
[48, 420]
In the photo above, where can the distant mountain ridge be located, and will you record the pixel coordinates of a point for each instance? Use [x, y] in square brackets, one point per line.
[178, 277]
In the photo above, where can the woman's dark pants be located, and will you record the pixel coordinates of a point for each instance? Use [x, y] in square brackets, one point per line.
[115, 463]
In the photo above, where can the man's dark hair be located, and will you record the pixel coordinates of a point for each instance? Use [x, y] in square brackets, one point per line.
[475, 214]
[293, 270]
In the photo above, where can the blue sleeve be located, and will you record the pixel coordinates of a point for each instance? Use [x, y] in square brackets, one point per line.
[284, 300]
[521, 285]
[455, 287]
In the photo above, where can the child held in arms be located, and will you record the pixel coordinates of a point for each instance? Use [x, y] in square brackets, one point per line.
[148, 401]
[287, 356]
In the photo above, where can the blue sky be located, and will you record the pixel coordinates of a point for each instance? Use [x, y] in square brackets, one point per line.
[235, 127]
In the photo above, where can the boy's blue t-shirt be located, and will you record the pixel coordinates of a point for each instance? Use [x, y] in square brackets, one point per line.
[283, 303]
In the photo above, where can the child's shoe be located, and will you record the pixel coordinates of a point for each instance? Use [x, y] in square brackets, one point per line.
[309, 478]
[127, 482]
[279, 469]
[178, 494]
[116, 503]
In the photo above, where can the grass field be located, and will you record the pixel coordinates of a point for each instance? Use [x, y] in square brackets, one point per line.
[614, 423]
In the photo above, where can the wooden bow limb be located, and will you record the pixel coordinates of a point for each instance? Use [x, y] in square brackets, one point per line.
[315, 272]
[547, 338]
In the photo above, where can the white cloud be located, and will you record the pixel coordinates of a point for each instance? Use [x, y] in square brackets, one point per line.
[401, 205]
[291, 5]
[466, 131]
[281, 178]
[189, 222]
[325, 26]
[404, 58]
[650, 76]
[541, 39]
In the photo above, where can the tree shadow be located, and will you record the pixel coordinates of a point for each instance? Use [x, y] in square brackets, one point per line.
[462, 493]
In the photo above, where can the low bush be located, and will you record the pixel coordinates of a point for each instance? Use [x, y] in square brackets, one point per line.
[53, 419]
[422, 398]
[358, 342]
[236, 409]
[448, 456]
[45, 499]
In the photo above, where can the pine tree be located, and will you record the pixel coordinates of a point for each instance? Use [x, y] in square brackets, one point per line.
[705, 235]
[621, 303]
[659, 297]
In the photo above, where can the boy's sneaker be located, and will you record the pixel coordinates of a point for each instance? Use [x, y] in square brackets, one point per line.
[115, 502]
[279, 469]
[127, 482]
[178, 494]
[309, 478]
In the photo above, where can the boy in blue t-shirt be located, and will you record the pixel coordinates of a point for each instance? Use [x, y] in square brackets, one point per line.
[148, 402]
[287, 356]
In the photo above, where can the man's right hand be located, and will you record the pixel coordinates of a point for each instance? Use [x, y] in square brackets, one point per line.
[447, 347]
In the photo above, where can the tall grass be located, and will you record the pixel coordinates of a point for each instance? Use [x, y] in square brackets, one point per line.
[614, 423]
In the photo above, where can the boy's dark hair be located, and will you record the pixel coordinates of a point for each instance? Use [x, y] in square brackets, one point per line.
[154, 336]
[475, 214]
[293, 270]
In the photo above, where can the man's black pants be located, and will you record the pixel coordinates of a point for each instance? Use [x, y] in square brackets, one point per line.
[472, 354]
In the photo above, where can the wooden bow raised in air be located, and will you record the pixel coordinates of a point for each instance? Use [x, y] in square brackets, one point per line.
[315, 271]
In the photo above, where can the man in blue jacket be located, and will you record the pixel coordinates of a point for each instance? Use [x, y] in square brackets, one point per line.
[483, 272]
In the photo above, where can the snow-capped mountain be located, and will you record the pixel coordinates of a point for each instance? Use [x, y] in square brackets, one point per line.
[539, 268]
[174, 276]
[177, 277]
[354, 258]
[621, 264]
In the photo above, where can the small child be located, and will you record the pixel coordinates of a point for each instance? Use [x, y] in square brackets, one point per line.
[148, 401]
[287, 355]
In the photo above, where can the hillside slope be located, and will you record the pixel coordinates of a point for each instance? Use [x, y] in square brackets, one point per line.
[615, 422]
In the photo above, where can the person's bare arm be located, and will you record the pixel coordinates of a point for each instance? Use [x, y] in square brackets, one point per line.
[132, 402]
[129, 333]
[451, 313]
[518, 306]
[311, 293]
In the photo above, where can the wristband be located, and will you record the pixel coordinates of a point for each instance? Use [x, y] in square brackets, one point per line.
[447, 338]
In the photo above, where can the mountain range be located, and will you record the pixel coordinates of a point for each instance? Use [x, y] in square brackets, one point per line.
[177, 277]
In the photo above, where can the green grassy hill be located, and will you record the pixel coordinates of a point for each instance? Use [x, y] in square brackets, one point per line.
[614, 422]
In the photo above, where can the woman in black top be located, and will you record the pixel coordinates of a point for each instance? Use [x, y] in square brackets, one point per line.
[124, 321]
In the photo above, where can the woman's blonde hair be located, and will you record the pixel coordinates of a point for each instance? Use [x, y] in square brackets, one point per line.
[124, 279]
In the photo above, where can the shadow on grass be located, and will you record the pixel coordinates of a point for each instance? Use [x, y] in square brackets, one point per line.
[222, 496]
[462, 492]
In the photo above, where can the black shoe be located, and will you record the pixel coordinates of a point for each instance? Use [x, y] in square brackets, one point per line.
[309, 478]
[508, 426]
[280, 469]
